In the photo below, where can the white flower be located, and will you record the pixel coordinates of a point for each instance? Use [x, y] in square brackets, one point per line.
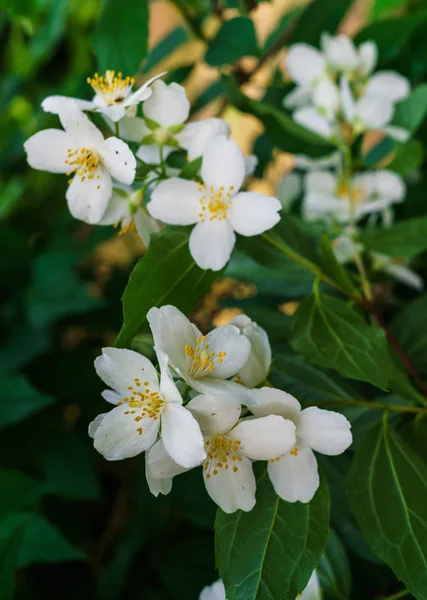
[216, 205]
[398, 269]
[230, 446]
[144, 408]
[216, 591]
[389, 85]
[310, 118]
[113, 96]
[82, 150]
[289, 190]
[205, 362]
[195, 137]
[306, 67]
[370, 111]
[343, 57]
[328, 197]
[258, 364]
[295, 475]
[126, 209]
[168, 105]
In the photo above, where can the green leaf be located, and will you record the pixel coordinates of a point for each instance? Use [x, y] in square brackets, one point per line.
[319, 16]
[285, 133]
[165, 47]
[277, 34]
[387, 487]
[142, 172]
[121, 37]
[378, 152]
[11, 533]
[410, 329]
[19, 399]
[191, 169]
[43, 543]
[167, 274]
[235, 39]
[407, 158]
[334, 569]
[331, 334]
[411, 112]
[379, 7]
[271, 551]
[404, 239]
[18, 491]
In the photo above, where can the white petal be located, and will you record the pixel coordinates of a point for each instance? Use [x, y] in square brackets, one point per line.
[132, 129]
[295, 478]
[255, 370]
[145, 225]
[326, 97]
[181, 436]
[223, 164]
[119, 160]
[389, 184]
[313, 590]
[270, 401]
[289, 190]
[236, 392]
[168, 388]
[112, 112]
[172, 331]
[150, 153]
[300, 96]
[118, 368]
[54, 104]
[88, 199]
[156, 486]
[143, 92]
[229, 340]
[251, 213]
[160, 464]
[47, 150]
[168, 104]
[215, 414]
[211, 244]
[304, 63]
[111, 396]
[265, 437]
[324, 431]
[233, 490]
[405, 275]
[390, 85]
[368, 56]
[251, 163]
[398, 133]
[348, 104]
[119, 436]
[341, 53]
[374, 111]
[76, 123]
[118, 207]
[311, 119]
[321, 181]
[176, 202]
[93, 426]
[318, 205]
[195, 137]
[216, 591]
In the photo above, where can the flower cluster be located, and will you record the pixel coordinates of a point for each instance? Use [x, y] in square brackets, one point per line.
[104, 187]
[204, 410]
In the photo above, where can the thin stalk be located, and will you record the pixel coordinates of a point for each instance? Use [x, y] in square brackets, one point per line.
[401, 594]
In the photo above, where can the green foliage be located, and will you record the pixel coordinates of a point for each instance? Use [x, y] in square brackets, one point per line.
[334, 569]
[317, 18]
[330, 333]
[19, 399]
[271, 551]
[387, 484]
[167, 275]
[406, 238]
[235, 39]
[121, 36]
[409, 326]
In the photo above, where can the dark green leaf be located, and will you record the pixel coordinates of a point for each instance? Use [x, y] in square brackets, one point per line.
[405, 238]
[407, 158]
[235, 39]
[319, 16]
[378, 152]
[19, 399]
[167, 274]
[331, 334]
[387, 488]
[277, 34]
[211, 93]
[191, 169]
[271, 551]
[411, 112]
[143, 171]
[121, 36]
[18, 491]
[334, 569]
[44, 543]
[11, 533]
[410, 329]
[165, 47]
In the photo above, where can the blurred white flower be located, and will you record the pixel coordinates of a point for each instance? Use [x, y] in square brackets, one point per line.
[126, 210]
[289, 190]
[205, 362]
[113, 96]
[326, 197]
[144, 407]
[258, 364]
[398, 269]
[82, 151]
[295, 475]
[216, 205]
[313, 590]
[216, 591]
[231, 446]
[195, 137]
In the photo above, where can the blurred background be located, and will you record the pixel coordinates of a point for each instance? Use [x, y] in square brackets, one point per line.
[71, 524]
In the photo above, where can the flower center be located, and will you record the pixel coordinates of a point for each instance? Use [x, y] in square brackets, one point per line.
[215, 202]
[355, 194]
[143, 402]
[222, 453]
[111, 87]
[200, 361]
[83, 162]
[127, 224]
